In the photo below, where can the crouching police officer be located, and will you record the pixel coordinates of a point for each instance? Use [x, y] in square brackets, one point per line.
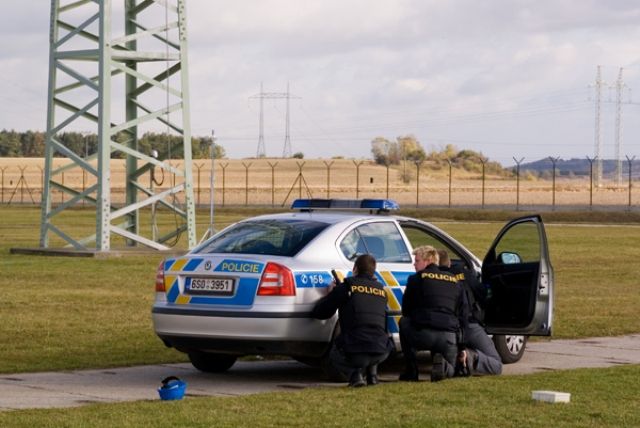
[478, 355]
[363, 342]
[433, 311]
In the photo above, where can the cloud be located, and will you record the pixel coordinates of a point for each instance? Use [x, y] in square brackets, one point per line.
[486, 72]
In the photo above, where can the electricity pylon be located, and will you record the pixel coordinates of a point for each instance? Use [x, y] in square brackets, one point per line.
[597, 131]
[85, 62]
[619, 89]
[286, 151]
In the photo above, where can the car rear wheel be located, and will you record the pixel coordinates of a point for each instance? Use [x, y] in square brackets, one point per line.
[510, 348]
[212, 363]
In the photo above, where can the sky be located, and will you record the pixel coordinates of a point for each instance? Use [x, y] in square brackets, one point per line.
[512, 79]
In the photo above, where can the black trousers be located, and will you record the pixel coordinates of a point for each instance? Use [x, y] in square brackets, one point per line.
[414, 339]
[349, 363]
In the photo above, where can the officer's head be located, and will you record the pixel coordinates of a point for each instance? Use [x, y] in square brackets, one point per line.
[445, 261]
[365, 265]
[424, 256]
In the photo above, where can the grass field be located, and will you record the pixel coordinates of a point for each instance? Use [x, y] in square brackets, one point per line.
[599, 398]
[67, 313]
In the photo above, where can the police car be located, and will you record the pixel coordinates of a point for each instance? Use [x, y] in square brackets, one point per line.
[250, 288]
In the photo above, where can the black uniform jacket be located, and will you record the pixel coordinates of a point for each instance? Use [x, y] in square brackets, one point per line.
[361, 303]
[435, 299]
[475, 292]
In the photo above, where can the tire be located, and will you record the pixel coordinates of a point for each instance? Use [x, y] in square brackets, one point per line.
[510, 348]
[212, 363]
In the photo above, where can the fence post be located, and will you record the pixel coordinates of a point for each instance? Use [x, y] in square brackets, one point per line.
[198, 167]
[518, 162]
[630, 161]
[2, 188]
[482, 161]
[273, 182]
[246, 182]
[591, 180]
[84, 184]
[61, 192]
[358, 164]
[418, 165]
[328, 165]
[41, 182]
[450, 180]
[224, 167]
[173, 177]
[387, 165]
[300, 177]
[553, 182]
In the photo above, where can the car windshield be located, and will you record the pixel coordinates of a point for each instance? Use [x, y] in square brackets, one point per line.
[273, 237]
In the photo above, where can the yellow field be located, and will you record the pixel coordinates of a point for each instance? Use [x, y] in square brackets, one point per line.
[279, 181]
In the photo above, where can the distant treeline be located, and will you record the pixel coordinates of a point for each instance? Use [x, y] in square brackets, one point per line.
[31, 144]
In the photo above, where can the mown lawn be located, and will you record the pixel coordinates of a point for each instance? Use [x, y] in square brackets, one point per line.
[67, 313]
[599, 398]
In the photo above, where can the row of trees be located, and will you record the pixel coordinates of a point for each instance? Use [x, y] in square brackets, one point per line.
[385, 152]
[408, 149]
[32, 144]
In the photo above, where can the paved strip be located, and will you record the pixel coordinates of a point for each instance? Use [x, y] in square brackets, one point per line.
[579, 353]
[77, 388]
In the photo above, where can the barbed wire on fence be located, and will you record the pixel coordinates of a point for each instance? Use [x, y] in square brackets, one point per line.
[268, 182]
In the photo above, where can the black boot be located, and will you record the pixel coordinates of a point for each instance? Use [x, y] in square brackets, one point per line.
[410, 373]
[356, 380]
[372, 375]
[438, 369]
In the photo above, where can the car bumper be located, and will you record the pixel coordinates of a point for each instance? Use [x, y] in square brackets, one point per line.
[242, 333]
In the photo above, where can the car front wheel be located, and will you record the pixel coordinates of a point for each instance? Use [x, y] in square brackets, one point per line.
[212, 363]
[510, 348]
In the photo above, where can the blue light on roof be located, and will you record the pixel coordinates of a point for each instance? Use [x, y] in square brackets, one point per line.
[345, 204]
[380, 204]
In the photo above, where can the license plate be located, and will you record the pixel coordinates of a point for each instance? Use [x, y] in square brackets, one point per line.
[216, 286]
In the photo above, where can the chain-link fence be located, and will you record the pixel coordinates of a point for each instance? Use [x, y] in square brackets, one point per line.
[277, 182]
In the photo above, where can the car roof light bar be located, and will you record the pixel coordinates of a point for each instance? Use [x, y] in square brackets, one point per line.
[380, 205]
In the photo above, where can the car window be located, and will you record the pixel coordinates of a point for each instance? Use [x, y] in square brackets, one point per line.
[382, 240]
[521, 242]
[419, 236]
[274, 237]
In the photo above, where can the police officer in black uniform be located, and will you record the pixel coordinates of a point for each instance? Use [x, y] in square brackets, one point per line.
[363, 342]
[433, 311]
[478, 355]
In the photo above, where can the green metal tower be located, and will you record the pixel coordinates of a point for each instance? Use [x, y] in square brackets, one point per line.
[118, 87]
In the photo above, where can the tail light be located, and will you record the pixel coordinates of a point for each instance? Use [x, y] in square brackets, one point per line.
[276, 280]
[160, 278]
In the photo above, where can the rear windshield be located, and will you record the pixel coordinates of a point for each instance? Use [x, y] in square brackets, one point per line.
[273, 237]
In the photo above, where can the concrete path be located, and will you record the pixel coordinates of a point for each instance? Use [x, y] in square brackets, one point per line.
[75, 388]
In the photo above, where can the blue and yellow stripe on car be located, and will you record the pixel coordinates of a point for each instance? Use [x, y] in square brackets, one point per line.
[394, 282]
[171, 282]
[245, 288]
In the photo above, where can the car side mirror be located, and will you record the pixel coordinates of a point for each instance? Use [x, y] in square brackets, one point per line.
[507, 258]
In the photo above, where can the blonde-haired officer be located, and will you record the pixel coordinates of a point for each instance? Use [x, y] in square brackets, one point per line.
[433, 311]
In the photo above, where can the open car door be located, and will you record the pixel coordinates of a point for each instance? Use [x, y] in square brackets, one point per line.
[519, 278]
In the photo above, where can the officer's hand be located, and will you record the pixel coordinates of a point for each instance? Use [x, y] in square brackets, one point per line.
[331, 286]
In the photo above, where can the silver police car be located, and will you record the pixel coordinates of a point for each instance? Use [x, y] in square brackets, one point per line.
[250, 288]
